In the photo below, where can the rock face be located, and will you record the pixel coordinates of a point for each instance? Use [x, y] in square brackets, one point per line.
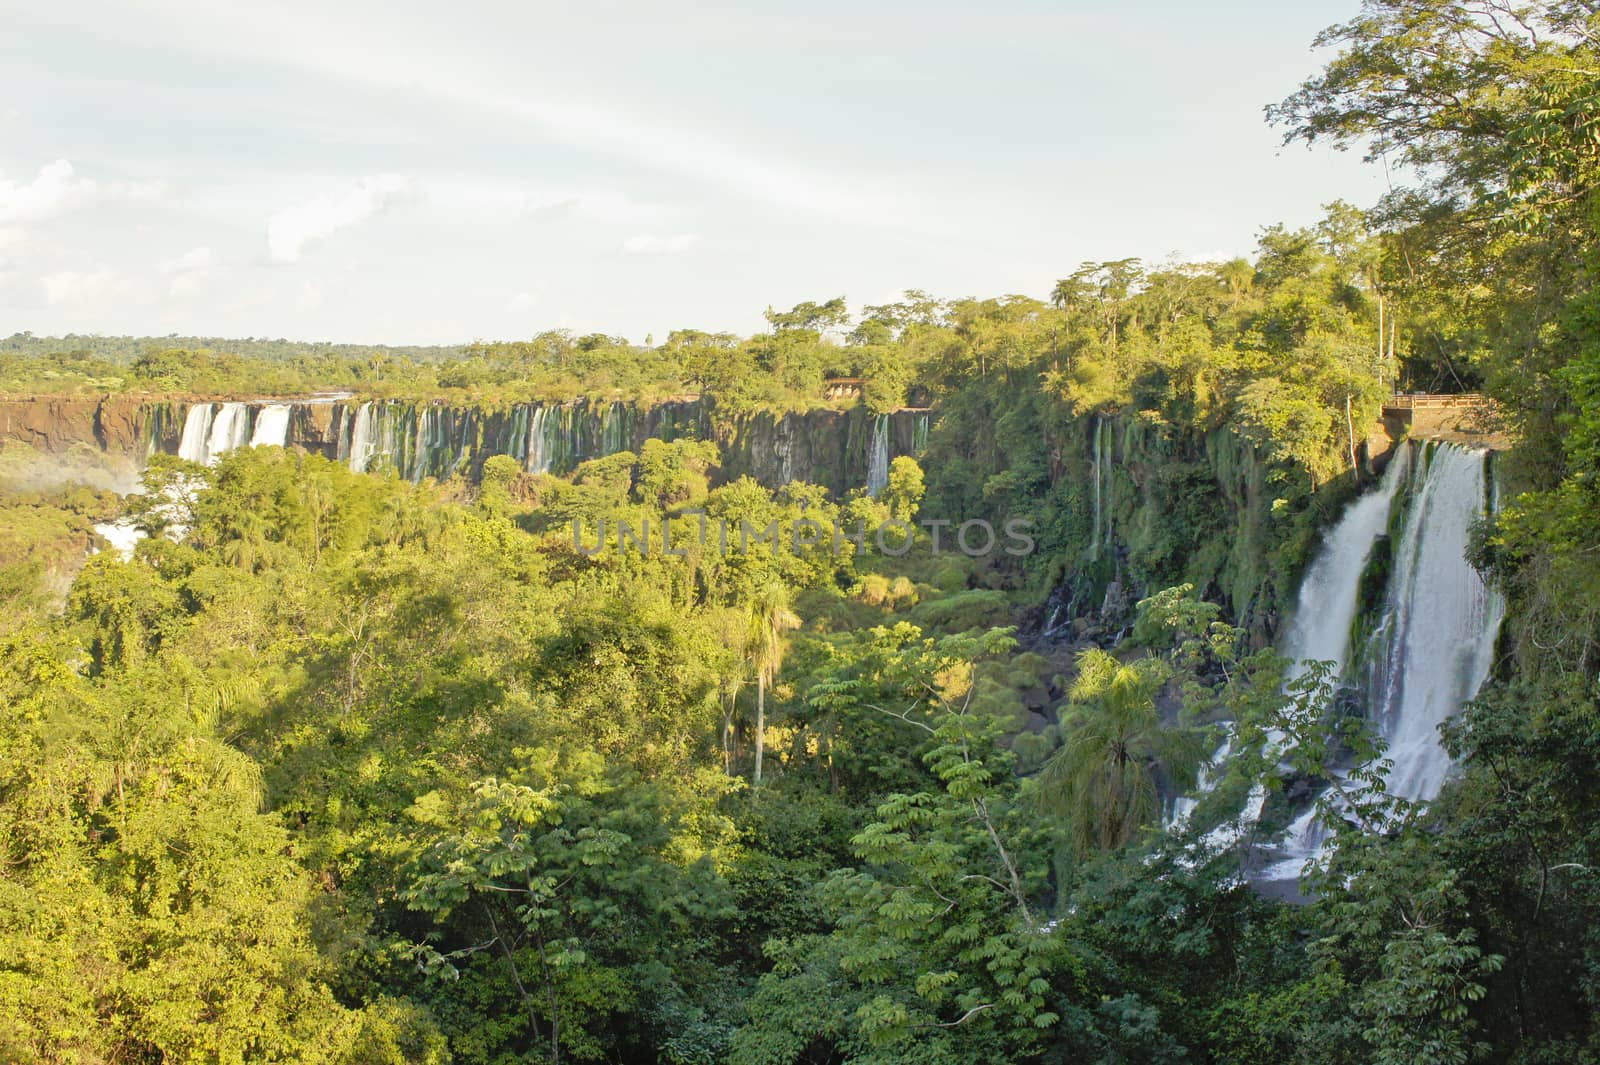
[832, 448]
[55, 425]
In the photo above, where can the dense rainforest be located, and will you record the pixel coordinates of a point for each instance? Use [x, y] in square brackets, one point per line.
[354, 767]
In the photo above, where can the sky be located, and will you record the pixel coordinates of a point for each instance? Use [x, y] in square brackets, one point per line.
[404, 172]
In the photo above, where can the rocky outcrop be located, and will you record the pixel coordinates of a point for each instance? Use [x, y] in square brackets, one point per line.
[56, 424]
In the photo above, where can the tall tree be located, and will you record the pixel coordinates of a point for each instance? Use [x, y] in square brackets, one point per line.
[770, 618]
[1115, 748]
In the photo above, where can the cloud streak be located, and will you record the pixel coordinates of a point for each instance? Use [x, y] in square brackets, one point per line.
[332, 44]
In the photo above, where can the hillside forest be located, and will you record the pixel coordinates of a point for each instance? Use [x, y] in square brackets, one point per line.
[337, 767]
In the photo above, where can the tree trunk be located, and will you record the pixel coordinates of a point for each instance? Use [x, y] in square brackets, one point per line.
[1350, 427]
[761, 723]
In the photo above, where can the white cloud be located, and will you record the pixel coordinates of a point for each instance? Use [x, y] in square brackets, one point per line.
[292, 229]
[57, 188]
[53, 189]
[658, 244]
[71, 286]
[520, 301]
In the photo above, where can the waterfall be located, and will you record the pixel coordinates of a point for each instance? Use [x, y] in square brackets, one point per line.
[538, 454]
[1094, 536]
[1431, 651]
[1101, 530]
[362, 438]
[614, 429]
[1436, 645]
[1183, 806]
[427, 444]
[196, 429]
[517, 434]
[1320, 630]
[230, 428]
[878, 460]
[272, 426]
[919, 435]
[783, 444]
[1325, 608]
[122, 536]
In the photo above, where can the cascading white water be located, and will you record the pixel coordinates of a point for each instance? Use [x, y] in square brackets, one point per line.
[229, 429]
[538, 456]
[517, 437]
[1325, 610]
[362, 438]
[1326, 605]
[1437, 643]
[272, 426]
[430, 439]
[1183, 806]
[1433, 648]
[196, 431]
[878, 460]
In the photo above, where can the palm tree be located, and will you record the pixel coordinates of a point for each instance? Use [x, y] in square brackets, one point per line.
[1115, 748]
[770, 618]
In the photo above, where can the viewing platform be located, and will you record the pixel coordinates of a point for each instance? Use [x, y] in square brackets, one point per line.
[835, 388]
[1467, 418]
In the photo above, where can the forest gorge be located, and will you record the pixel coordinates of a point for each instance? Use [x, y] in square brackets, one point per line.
[322, 739]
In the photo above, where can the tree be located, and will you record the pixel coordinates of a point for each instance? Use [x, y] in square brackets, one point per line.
[935, 952]
[1114, 747]
[903, 494]
[769, 619]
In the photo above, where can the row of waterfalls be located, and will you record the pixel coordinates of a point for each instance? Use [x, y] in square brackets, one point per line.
[1409, 626]
[839, 449]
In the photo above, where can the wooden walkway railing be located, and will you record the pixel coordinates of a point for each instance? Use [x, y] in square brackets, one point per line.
[1435, 400]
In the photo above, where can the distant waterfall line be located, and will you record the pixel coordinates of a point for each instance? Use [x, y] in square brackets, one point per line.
[417, 440]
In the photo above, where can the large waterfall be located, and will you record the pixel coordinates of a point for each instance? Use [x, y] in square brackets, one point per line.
[1433, 642]
[538, 450]
[1436, 644]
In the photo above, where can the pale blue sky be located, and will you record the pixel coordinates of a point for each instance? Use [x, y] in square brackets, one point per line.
[401, 172]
